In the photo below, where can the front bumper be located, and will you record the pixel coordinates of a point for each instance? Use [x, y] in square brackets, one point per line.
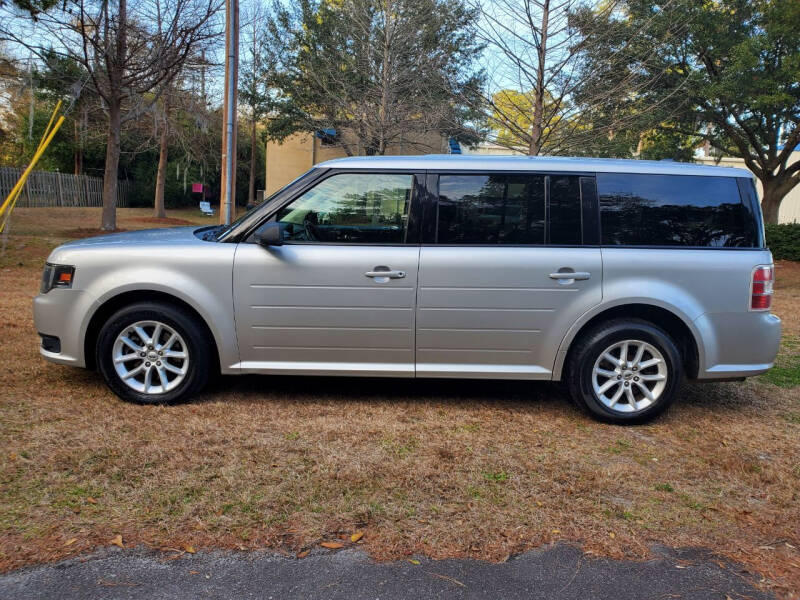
[63, 313]
[738, 344]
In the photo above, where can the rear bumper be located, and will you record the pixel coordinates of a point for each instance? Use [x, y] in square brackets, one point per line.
[61, 313]
[737, 344]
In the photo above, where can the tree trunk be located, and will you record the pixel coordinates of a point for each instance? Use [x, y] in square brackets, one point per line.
[386, 68]
[252, 185]
[771, 202]
[109, 219]
[535, 146]
[161, 174]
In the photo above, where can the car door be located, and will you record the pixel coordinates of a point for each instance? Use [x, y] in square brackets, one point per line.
[338, 296]
[510, 263]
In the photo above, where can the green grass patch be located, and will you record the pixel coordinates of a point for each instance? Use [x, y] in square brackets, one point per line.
[786, 372]
[399, 449]
[619, 447]
[793, 418]
[496, 477]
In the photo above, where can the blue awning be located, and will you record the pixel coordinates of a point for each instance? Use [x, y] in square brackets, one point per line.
[325, 133]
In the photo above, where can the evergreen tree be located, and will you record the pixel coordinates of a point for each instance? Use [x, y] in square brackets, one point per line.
[386, 71]
[724, 71]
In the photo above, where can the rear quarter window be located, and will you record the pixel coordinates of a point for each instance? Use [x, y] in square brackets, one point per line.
[673, 210]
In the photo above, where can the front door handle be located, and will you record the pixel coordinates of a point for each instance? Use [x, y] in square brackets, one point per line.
[387, 274]
[570, 275]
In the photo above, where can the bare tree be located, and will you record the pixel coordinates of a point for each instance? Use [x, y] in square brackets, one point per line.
[162, 120]
[535, 52]
[544, 96]
[131, 55]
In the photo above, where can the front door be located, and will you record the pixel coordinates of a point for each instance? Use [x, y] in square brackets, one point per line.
[338, 296]
[505, 274]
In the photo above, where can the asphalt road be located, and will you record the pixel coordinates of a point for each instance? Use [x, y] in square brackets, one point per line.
[554, 573]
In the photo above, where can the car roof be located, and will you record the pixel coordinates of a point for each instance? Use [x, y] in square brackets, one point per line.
[469, 162]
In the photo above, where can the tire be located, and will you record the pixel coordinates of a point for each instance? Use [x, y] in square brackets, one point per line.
[186, 358]
[603, 386]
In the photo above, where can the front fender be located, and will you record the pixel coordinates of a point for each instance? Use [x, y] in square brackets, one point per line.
[204, 286]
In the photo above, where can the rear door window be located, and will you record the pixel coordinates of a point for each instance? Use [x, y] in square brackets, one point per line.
[505, 208]
[673, 210]
[491, 209]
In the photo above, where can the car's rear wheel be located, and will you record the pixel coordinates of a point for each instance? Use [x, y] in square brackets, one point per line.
[625, 371]
[153, 353]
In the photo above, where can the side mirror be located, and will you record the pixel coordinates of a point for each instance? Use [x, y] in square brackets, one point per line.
[269, 234]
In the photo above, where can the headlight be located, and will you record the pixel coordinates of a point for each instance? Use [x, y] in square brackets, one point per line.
[57, 276]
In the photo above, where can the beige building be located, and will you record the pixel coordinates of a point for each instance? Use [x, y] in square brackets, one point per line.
[296, 154]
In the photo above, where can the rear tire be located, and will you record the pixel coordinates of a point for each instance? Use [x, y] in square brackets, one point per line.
[625, 371]
[154, 353]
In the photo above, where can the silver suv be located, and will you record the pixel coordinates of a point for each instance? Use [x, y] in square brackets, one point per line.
[621, 278]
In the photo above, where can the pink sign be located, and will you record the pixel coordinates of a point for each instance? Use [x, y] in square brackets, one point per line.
[197, 188]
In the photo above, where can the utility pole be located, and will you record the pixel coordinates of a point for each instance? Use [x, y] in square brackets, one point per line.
[228, 191]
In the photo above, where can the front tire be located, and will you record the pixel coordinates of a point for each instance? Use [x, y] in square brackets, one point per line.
[625, 371]
[153, 353]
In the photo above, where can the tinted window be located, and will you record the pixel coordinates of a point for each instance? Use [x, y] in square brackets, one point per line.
[491, 209]
[564, 215]
[354, 208]
[672, 210]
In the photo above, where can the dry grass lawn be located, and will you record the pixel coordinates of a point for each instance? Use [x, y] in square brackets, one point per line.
[455, 468]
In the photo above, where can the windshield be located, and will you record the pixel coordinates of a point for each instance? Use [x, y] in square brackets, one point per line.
[223, 230]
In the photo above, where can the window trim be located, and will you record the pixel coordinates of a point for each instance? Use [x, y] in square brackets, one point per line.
[590, 212]
[749, 196]
[412, 225]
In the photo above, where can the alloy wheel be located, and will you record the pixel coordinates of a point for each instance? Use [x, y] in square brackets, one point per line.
[150, 357]
[629, 376]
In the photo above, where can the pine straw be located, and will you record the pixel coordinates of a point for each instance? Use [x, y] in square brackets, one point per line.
[442, 468]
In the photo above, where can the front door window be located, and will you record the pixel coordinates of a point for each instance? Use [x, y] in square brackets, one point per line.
[365, 208]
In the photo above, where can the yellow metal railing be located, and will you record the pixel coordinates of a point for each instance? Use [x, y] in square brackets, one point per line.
[49, 133]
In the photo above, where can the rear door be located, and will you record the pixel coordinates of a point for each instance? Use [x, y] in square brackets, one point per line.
[338, 296]
[509, 261]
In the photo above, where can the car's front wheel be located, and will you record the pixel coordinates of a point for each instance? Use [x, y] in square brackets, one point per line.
[153, 353]
[625, 371]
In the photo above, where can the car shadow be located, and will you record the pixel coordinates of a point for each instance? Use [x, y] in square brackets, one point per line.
[720, 397]
[249, 388]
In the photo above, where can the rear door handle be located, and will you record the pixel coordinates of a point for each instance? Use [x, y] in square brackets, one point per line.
[570, 275]
[386, 274]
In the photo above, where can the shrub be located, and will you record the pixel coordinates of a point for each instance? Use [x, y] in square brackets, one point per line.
[784, 240]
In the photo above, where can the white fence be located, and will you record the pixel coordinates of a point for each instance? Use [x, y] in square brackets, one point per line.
[45, 188]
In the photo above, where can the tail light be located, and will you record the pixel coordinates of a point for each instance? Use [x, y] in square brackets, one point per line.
[761, 288]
